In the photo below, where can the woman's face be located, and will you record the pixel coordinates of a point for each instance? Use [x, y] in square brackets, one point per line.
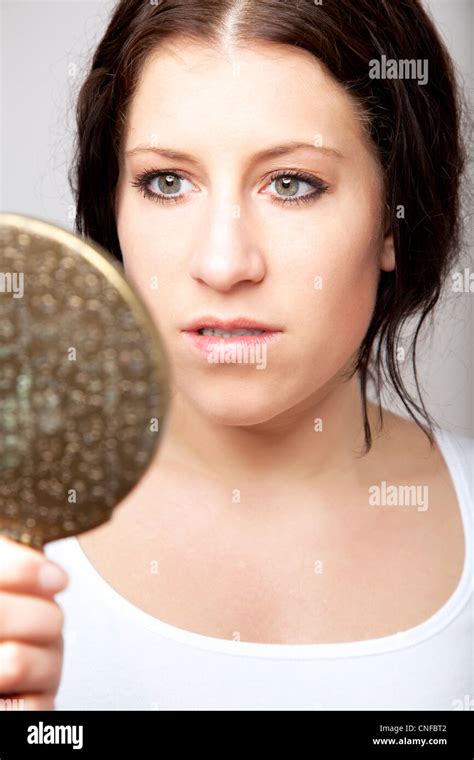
[228, 231]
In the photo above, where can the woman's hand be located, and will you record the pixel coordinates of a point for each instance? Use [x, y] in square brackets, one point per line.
[31, 623]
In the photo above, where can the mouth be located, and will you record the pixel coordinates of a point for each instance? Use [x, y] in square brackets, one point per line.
[209, 332]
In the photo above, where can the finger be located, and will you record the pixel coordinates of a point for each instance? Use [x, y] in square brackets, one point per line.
[26, 570]
[29, 619]
[27, 668]
[16, 702]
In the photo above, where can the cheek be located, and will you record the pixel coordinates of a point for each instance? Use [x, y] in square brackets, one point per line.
[350, 274]
[142, 249]
[330, 273]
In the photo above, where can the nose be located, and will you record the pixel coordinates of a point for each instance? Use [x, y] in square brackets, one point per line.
[226, 252]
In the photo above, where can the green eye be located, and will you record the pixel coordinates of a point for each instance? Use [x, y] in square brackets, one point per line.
[168, 186]
[296, 187]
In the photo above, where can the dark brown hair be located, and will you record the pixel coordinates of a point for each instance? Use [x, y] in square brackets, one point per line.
[415, 129]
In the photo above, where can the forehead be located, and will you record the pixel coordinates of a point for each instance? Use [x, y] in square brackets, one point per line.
[233, 97]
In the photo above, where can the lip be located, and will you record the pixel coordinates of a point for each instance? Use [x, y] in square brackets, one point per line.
[238, 323]
[205, 344]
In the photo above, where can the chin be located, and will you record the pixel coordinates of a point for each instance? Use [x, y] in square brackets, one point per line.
[237, 408]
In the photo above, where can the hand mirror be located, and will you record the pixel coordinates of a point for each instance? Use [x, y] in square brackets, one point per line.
[83, 383]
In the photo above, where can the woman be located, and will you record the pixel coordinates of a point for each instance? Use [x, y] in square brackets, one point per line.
[274, 194]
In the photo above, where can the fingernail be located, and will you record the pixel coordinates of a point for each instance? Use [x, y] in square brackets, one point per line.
[51, 577]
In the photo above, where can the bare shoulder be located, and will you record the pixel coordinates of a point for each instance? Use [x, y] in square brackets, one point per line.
[408, 448]
[413, 461]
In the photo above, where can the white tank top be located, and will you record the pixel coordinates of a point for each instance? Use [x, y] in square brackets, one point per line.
[119, 657]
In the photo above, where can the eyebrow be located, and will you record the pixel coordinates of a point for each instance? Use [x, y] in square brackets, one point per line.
[277, 150]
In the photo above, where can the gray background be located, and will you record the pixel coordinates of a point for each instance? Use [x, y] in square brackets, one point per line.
[45, 48]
